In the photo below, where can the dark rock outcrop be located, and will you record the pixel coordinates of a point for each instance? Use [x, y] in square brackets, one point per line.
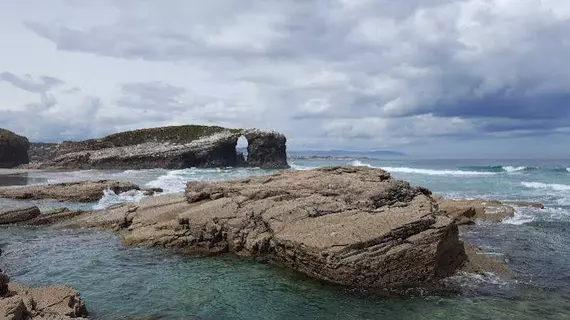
[12, 216]
[81, 191]
[266, 150]
[353, 226]
[13, 149]
[172, 148]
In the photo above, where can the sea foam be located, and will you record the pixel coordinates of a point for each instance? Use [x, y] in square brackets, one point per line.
[110, 198]
[540, 185]
[432, 172]
[514, 169]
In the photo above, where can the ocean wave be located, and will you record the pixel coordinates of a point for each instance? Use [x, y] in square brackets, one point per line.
[551, 186]
[515, 169]
[110, 198]
[295, 166]
[568, 169]
[173, 181]
[433, 172]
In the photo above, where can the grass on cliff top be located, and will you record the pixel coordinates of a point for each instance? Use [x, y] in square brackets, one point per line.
[175, 134]
[9, 137]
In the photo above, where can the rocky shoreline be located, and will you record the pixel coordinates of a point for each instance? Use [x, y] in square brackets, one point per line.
[354, 226]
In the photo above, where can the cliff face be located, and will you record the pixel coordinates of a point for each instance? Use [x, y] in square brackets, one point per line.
[13, 149]
[172, 148]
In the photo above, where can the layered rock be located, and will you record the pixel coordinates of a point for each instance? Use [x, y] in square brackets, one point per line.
[81, 191]
[466, 212]
[11, 216]
[13, 149]
[352, 226]
[172, 148]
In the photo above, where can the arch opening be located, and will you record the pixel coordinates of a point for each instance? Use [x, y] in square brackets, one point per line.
[241, 151]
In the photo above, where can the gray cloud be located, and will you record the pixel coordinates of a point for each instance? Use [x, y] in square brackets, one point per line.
[381, 72]
[26, 82]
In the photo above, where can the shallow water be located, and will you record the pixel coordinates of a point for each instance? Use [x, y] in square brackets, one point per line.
[119, 282]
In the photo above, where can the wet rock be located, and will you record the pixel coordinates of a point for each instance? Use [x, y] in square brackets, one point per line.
[82, 191]
[351, 226]
[53, 216]
[18, 215]
[536, 205]
[13, 149]
[478, 262]
[482, 210]
[4, 279]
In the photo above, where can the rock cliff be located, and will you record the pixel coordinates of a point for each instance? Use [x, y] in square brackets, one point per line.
[172, 148]
[353, 226]
[13, 149]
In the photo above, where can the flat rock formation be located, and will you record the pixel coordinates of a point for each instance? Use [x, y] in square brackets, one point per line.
[466, 212]
[17, 215]
[13, 149]
[353, 226]
[174, 147]
[81, 191]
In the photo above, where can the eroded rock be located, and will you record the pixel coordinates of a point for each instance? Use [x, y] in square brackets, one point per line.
[175, 147]
[469, 211]
[353, 226]
[13, 149]
[82, 191]
[11, 216]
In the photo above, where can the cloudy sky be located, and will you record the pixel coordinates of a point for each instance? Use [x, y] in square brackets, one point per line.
[461, 78]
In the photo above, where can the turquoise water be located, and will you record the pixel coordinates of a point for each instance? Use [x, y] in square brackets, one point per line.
[119, 283]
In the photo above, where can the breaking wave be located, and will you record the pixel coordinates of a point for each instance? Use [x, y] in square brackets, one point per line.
[551, 186]
[432, 172]
[110, 198]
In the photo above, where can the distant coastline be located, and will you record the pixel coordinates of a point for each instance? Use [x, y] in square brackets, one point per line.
[343, 155]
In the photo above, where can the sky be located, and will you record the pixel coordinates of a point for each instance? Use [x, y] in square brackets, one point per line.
[435, 78]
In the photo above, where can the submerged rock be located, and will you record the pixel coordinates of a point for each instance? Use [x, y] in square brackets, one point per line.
[469, 211]
[174, 147]
[54, 302]
[11, 216]
[82, 191]
[13, 149]
[353, 226]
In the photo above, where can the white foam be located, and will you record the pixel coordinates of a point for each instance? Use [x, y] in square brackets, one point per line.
[358, 163]
[568, 169]
[299, 167]
[540, 185]
[513, 169]
[520, 218]
[173, 181]
[110, 198]
[431, 172]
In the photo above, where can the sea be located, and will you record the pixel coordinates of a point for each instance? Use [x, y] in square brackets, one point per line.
[155, 283]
